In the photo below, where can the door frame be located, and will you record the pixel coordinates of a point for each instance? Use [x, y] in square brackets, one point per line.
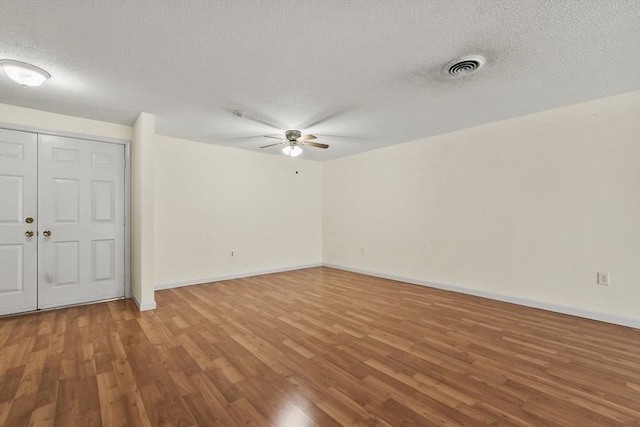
[127, 183]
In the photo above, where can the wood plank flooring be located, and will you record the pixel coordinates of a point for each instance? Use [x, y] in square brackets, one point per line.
[316, 347]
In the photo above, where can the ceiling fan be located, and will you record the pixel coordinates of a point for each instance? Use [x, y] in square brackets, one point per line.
[293, 139]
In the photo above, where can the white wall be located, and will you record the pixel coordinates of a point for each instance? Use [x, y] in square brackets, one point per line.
[142, 212]
[212, 200]
[45, 121]
[526, 209]
[192, 203]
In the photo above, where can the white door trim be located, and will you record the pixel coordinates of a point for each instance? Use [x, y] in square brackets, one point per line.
[127, 183]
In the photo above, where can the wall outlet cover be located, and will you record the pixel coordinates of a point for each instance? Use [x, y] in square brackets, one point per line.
[603, 279]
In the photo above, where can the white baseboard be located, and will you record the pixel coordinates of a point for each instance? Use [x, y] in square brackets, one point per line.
[230, 277]
[149, 305]
[593, 315]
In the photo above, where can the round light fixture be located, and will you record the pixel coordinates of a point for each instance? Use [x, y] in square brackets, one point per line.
[292, 150]
[23, 73]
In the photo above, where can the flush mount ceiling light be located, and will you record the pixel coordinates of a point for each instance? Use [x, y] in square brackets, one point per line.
[292, 150]
[23, 73]
[463, 66]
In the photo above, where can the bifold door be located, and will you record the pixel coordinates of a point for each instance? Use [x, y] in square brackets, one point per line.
[76, 252]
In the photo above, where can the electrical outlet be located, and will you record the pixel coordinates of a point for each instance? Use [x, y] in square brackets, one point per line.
[604, 279]
[233, 254]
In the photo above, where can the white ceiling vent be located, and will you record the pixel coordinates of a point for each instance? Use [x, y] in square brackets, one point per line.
[463, 66]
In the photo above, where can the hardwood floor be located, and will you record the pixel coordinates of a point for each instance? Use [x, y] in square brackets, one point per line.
[316, 347]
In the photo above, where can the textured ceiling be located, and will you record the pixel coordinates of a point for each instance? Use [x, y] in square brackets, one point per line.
[359, 74]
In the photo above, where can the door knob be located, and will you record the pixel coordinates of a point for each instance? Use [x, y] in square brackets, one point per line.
[28, 220]
[46, 233]
[28, 233]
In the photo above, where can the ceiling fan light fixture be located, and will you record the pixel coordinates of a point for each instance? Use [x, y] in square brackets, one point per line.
[23, 73]
[292, 151]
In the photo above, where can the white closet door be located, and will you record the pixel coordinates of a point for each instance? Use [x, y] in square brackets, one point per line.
[18, 218]
[81, 210]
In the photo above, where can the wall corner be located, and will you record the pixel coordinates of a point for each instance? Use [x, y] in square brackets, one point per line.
[142, 251]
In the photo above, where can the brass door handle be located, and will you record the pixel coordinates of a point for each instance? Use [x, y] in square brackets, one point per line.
[28, 220]
[28, 233]
[46, 233]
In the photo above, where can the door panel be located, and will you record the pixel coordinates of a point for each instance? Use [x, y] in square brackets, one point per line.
[81, 203]
[66, 264]
[65, 201]
[11, 259]
[18, 201]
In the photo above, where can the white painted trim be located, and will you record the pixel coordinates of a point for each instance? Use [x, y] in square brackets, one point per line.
[127, 225]
[573, 311]
[231, 277]
[144, 307]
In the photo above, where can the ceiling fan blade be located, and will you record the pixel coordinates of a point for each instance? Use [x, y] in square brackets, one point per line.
[307, 137]
[316, 144]
[275, 137]
[271, 145]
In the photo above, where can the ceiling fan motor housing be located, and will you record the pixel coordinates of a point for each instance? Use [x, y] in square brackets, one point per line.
[293, 135]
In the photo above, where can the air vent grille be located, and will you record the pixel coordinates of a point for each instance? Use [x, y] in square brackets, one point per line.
[464, 66]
